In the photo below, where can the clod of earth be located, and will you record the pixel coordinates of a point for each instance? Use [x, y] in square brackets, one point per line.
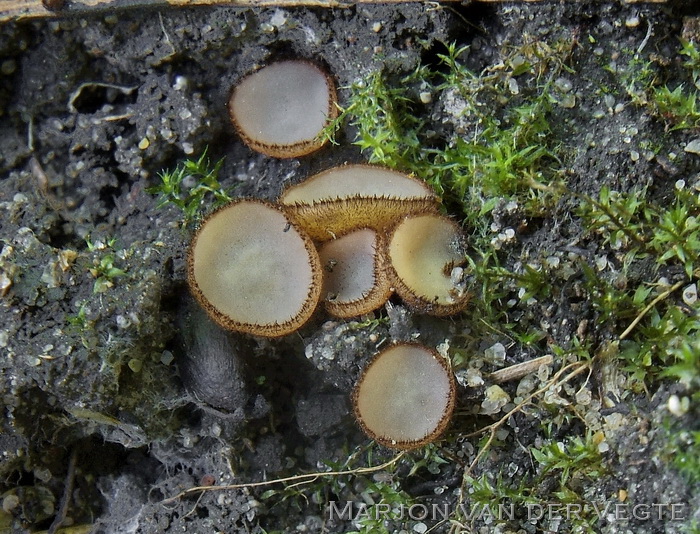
[211, 362]
[425, 253]
[253, 270]
[405, 397]
[349, 197]
[355, 278]
[281, 109]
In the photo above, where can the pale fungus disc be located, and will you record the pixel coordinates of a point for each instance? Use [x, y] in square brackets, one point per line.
[281, 109]
[354, 274]
[425, 253]
[253, 271]
[348, 197]
[405, 396]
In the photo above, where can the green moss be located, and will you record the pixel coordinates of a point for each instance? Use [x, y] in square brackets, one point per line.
[643, 80]
[104, 265]
[501, 148]
[193, 187]
[660, 345]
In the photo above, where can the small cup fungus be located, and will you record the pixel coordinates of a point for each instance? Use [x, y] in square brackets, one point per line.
[425, 252]
[253, 271]
[281, 109]
[354, 278]
[405, 396]
[348, 197]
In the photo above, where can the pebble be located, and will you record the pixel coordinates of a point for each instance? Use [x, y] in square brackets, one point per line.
[513, 86]
[495, 353]
[525, 386]
[469, 378]
[279, 19]
[568, 101]
[690, 294]
[632, 22]
[563, 84]
[167, 357]
[180, 83]
[9, 503]
[495, 399]
[693, 147]
[677, 406]
[601, 262]
[552, 262]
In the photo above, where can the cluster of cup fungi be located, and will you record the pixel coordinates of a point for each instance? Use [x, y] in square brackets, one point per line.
[346, 238]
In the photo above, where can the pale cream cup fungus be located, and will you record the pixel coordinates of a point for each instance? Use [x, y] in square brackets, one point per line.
[425, 253]
[355, 278]
[405, 397]
[281, 109]
[348, 197]
[253, 270]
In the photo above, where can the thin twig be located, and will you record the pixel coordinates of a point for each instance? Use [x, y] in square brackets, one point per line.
[67, 492]
[580, 367]
[307, 477]
[649, 307]
[519, 370]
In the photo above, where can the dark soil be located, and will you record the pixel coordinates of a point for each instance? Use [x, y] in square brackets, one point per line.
[92, 108]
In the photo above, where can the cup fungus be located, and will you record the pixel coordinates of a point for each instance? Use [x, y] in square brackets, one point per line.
[354, 278]
[253, 271]
[281, 109]
[405, 397]
[348, 197]
[425, 252]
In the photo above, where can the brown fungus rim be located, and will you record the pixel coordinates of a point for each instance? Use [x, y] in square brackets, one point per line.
[271, 330]
[445, 419]
[415, 301]
[294, 150]
[377, 296]
[327, 220]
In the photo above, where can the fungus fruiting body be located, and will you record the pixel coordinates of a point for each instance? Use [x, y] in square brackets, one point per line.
[354, 274]
[281, 109]
[425, 253]
[348, 197]
[253, 271]
[405, 396]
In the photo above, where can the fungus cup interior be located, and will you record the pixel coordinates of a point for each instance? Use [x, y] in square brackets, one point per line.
[281, 109]
[253, 271]
[425, 252]
[354, 274]
[348, 197]
[405, 396]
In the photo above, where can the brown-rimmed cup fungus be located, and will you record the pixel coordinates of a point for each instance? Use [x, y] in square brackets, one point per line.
[348, 197]
[405, 397]
[281, 109]
[425, 253]
[355, 278]
[253, 270]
